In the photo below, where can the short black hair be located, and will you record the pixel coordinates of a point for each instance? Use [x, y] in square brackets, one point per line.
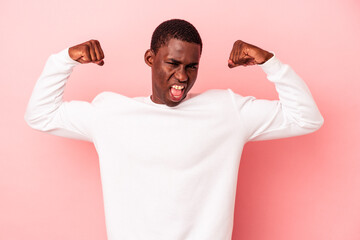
[174, 28]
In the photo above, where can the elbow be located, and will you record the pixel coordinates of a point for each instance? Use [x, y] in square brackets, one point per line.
[318, 123]
[31, 121]
[314, 124]
[40, 116]
[27, 119]
[321, 122]
[36, 122]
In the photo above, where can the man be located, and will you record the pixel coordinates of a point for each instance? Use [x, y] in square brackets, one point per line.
[169, 162]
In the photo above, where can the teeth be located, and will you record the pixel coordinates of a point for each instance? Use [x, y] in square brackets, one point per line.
[178, 87]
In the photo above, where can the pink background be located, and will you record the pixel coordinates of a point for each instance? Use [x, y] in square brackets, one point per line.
[299, 188]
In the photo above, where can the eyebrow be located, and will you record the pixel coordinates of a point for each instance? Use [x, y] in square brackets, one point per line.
[178, 62]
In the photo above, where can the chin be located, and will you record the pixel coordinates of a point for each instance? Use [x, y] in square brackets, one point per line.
[172, 104]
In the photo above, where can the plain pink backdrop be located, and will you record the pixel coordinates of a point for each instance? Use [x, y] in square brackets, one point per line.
[299, 188]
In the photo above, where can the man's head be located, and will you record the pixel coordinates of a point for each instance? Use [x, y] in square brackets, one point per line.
[174, 57]
[174, 28]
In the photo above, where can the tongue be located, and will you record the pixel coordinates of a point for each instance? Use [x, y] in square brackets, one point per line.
[176, 92]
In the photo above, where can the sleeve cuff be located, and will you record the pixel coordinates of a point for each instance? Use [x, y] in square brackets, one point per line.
[271, 66]
[65, 55]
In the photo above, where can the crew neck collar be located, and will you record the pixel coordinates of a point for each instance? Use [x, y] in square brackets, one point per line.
[159, 105]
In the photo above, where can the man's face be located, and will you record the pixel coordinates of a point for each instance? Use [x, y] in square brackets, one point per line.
[174, 70]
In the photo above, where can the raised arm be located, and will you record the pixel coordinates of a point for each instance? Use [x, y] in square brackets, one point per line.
[295, 113]
[46, 110]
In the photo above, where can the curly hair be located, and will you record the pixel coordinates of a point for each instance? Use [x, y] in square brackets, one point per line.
[174, 28]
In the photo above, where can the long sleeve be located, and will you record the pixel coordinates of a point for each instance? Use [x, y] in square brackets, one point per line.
[295, 113]
[46, 110]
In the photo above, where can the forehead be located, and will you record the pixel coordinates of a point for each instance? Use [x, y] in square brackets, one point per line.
[180, 50]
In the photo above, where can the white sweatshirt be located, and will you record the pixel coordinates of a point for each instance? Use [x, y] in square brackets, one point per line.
[170, 173]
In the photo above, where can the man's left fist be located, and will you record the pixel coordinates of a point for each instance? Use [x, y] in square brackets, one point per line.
[244, 54]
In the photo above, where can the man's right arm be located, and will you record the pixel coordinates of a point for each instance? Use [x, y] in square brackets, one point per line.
[46, 110]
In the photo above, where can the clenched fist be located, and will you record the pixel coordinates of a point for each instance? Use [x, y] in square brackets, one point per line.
[88, 52]
[246, 54]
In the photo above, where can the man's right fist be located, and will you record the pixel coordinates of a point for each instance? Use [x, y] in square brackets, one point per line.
[88, 52]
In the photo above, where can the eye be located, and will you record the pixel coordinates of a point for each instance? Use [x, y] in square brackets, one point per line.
[193, 66]
[172, 63]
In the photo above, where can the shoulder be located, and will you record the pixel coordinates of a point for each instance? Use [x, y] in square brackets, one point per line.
[239, 100]
[219, 95]
[213, 93]
[108, 98]
[216, 98]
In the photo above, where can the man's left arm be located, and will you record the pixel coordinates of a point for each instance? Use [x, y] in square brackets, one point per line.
[295, 113]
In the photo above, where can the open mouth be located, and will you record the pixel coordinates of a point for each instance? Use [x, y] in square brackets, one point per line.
[176, 92]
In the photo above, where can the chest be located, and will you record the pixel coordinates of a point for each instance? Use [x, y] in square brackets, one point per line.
[159, 137]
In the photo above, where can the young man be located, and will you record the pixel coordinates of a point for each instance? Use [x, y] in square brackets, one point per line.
[169, 162]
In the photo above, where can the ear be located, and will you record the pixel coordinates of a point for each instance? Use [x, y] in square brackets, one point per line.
[149, 57]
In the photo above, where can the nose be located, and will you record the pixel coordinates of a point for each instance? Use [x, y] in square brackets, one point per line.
[181, 75]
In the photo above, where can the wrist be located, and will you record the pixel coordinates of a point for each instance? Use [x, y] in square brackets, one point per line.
[267, 55]
[69, 59]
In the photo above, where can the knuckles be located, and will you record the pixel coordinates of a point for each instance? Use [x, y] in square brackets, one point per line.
[93, 41]
[238, 42]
